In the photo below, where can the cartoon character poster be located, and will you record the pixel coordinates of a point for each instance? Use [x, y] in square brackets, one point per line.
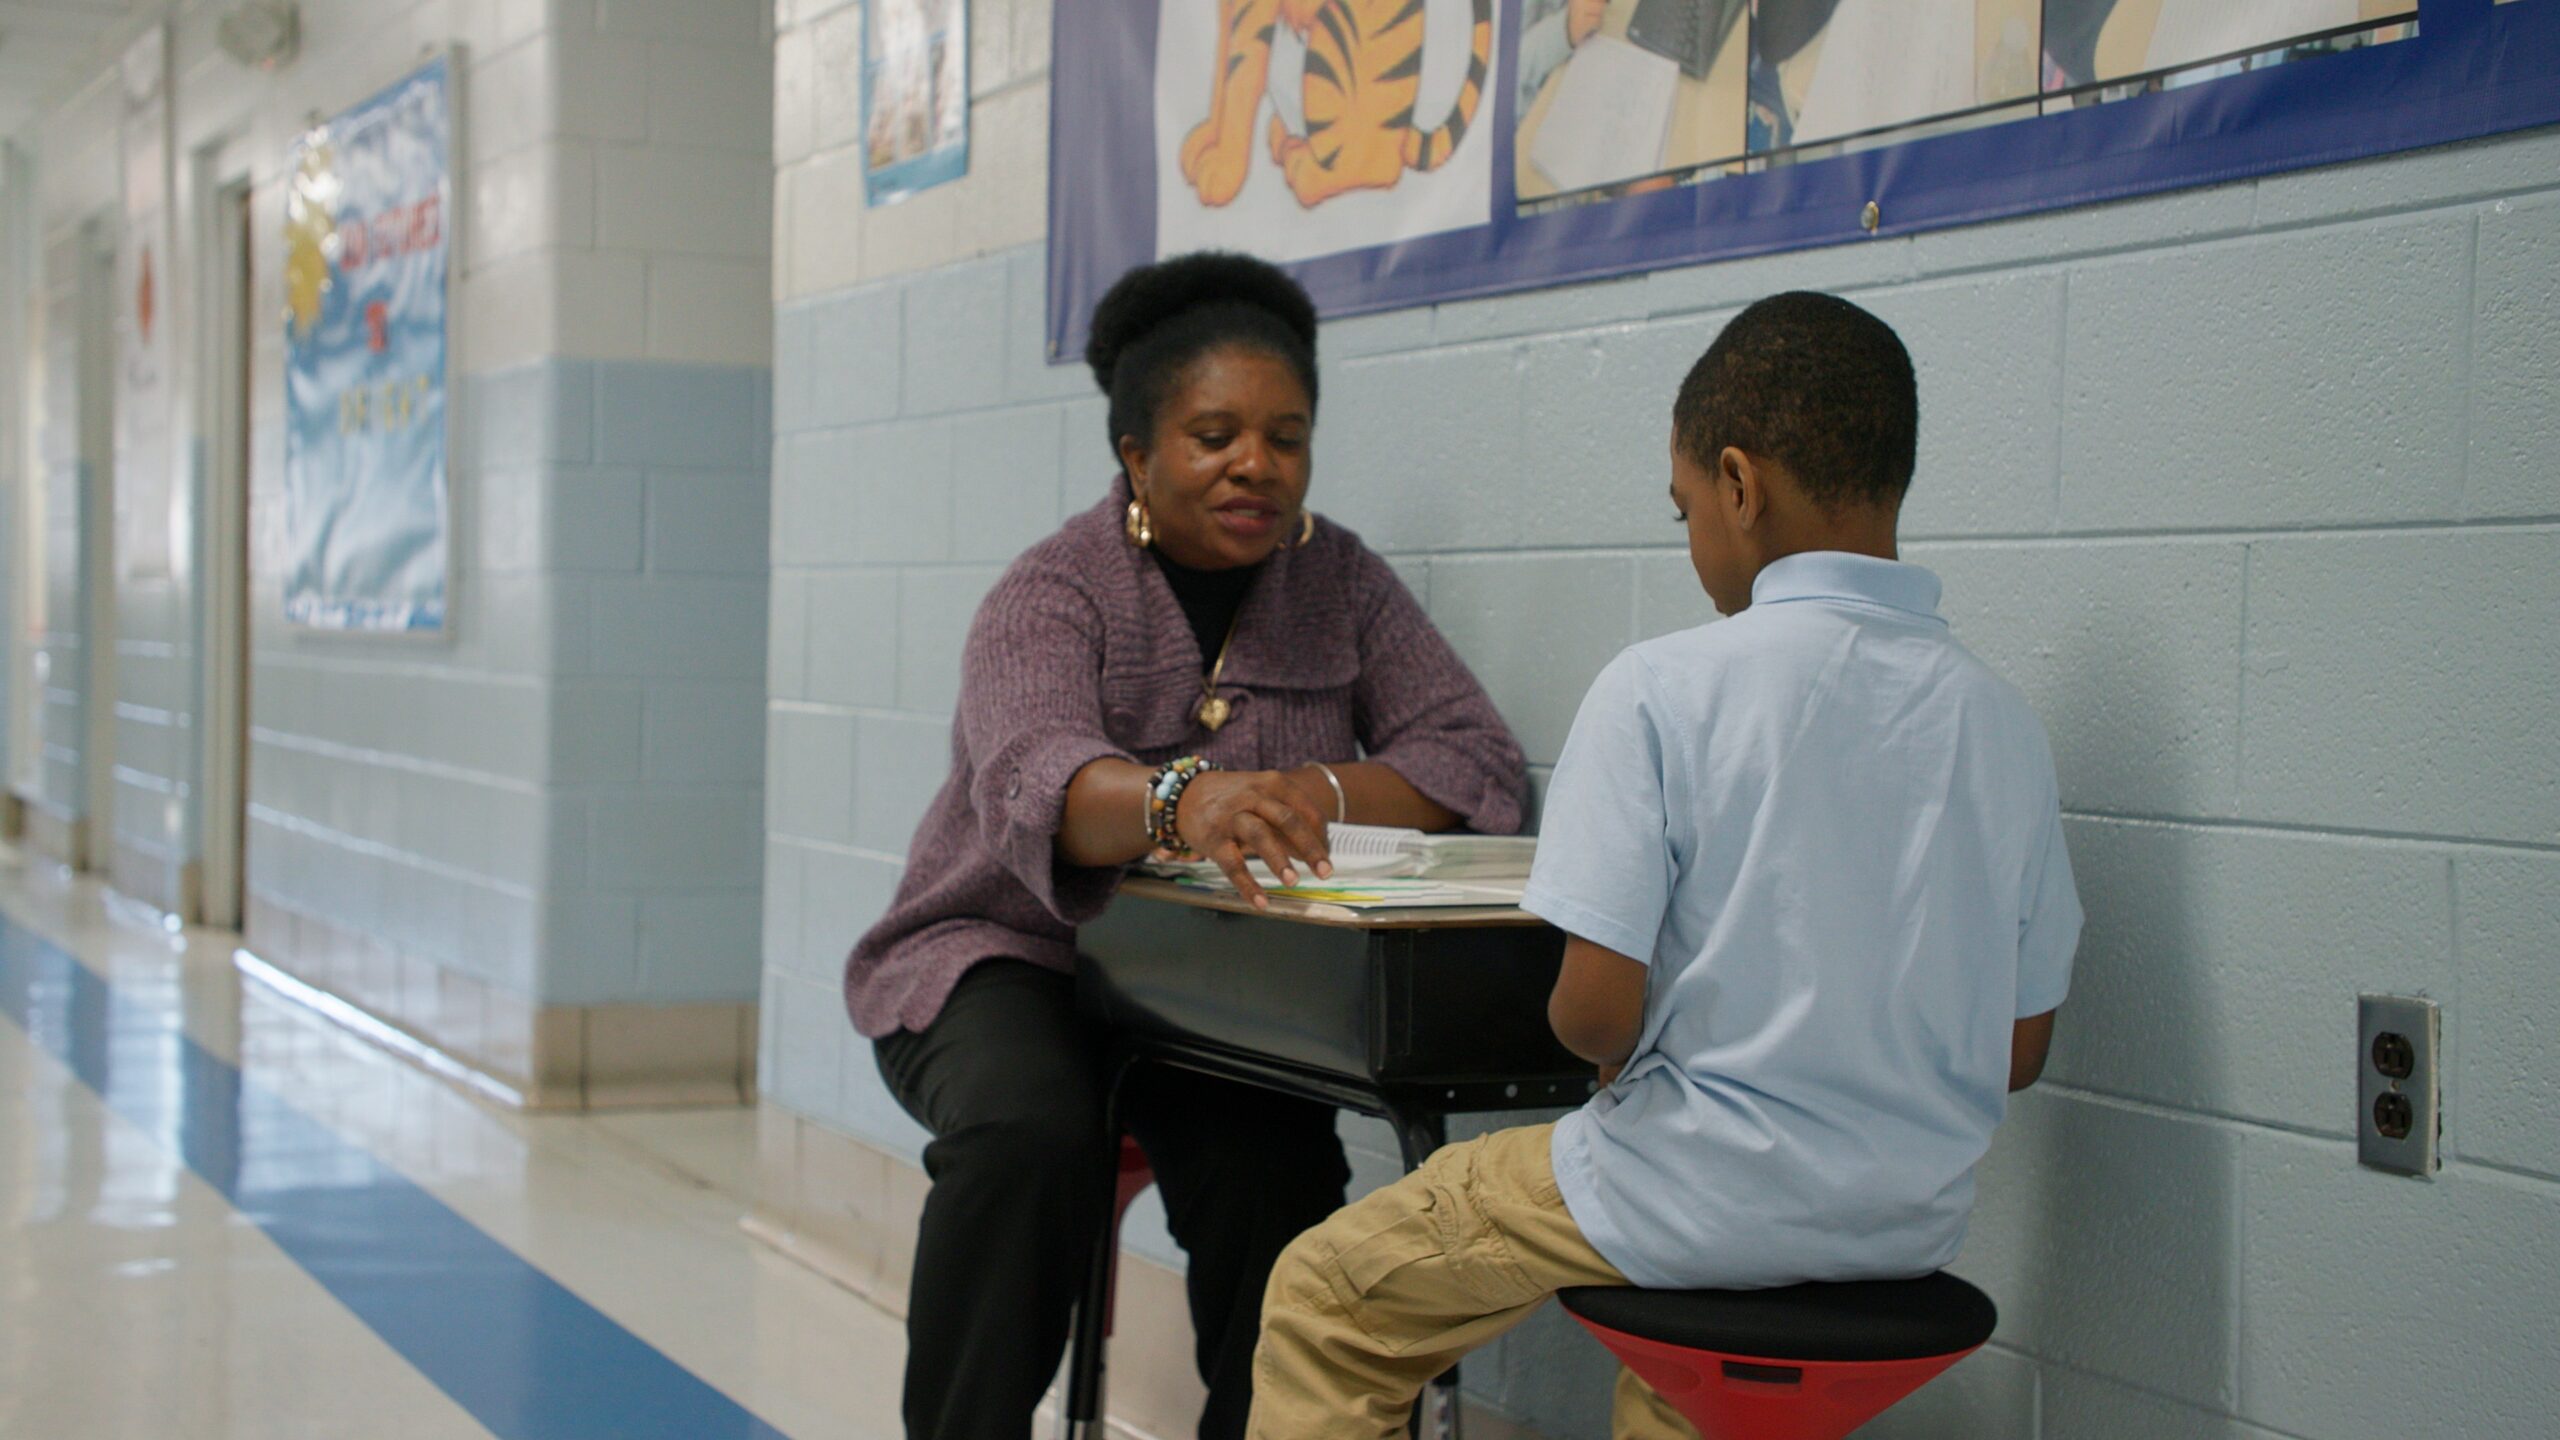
[1299, 128]
[915, 89]
[367, 251]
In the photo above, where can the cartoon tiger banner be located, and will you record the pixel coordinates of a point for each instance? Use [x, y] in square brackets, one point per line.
[1407, 152]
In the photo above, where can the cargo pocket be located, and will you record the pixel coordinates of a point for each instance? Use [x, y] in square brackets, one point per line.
[1420, 1275]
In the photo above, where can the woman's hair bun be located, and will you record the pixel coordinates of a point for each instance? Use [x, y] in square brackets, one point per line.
[1150, 295]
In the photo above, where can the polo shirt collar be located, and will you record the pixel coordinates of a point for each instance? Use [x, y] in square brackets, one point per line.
[1859, 579]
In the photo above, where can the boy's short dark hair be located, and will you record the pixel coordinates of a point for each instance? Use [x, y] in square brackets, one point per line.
[1816, 384]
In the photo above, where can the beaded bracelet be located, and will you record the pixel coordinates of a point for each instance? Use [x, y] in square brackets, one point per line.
[1164, 800]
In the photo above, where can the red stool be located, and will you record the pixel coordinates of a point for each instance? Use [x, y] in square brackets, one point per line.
[1807, 1362]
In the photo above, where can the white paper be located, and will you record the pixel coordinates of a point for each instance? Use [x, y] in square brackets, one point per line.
[1885, 62]
[1611, 112]
[2192, 30]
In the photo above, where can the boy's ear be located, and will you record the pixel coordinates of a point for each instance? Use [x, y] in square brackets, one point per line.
[1742, 486]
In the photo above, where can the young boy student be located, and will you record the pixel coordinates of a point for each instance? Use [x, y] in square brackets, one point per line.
[1810, 868]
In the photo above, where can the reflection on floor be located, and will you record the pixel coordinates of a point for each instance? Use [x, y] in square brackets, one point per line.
[228, 1218]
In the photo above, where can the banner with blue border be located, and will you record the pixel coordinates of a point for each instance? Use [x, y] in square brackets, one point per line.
[368, 224]
[1405, 152]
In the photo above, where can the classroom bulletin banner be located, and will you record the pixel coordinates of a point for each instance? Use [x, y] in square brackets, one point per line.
[145, 402]
[1404, 152]
[367, 255]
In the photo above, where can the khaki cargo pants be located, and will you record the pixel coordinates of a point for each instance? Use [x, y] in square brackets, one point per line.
[1366, 1308]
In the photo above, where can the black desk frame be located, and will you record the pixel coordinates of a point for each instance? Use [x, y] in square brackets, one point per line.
[1425, 1017]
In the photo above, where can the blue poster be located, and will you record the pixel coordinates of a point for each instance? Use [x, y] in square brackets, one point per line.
[1407, 152]
[367, 253]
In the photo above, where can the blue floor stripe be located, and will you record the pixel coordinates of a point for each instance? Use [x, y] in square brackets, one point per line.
[529, 1360]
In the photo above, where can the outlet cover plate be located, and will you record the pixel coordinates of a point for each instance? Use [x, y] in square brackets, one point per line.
[2421, 1024]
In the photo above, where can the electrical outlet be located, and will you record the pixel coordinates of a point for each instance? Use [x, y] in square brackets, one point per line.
[2399, 1114]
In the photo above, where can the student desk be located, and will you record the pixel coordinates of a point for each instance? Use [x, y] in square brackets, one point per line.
[1410, 1015]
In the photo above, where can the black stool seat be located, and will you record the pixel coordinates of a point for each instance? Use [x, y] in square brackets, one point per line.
[1848, 1321]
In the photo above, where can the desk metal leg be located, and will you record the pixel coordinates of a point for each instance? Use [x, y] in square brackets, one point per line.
[1081, 1418]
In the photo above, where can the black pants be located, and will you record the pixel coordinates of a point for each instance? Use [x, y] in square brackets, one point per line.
[1009, 1080]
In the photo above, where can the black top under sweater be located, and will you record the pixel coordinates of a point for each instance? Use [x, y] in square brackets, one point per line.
[1209, 599]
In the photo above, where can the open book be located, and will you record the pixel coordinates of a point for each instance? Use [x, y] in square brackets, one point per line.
[1381, 852]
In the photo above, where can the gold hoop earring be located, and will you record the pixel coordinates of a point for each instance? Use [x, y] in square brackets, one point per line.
[1306, 529]
[1140, 525]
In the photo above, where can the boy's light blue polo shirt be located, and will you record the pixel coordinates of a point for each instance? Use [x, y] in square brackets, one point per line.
[1834, 837]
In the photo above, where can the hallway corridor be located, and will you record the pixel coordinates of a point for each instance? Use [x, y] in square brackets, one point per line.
[228, 1217]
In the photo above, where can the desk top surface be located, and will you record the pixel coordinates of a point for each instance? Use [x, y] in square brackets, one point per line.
[1315, 912]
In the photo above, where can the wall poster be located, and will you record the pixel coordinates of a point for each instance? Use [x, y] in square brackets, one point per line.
[1405, 152]
[915, 96]
[146, 489]
[367, 259]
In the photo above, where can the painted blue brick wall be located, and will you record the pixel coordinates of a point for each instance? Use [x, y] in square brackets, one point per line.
[2255, 490]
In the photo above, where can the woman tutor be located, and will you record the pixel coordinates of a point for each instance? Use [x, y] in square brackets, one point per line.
[1197, 664]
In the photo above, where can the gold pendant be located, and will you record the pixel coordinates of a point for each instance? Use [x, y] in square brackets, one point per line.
[1213, 711]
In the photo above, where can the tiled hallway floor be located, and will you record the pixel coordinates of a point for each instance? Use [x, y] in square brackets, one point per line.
[226, 1217]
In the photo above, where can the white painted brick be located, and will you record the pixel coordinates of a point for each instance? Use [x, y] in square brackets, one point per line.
[704, 735]
[2506, 1012]
[1594, 464]
[740, 22]
[603, 87]
[699, 949]
[853, 638]
[2085, 1407]
[1730, 284]
[810, 1065]
[900, 764]
[710, 312]
[935, 608]
[1004, 479]
[785, 898]
[856, 356]
[901, 480]
[1669, 597]
[595, 521]
[2404, 683]
[2129, 653]
[2515, 364]
[809, 780]
[2501, 165]
[1540, 312]
[869, 1112]
[509, 314]
[2110, 1240]
[920, 232]
[2149, 222]
[2448, 1280]
[835, 47]
[2192, 988]
[793, 369]
[506, 505]
[955, 327]
[2269, 382]
[1028, 375]
[713, 96]
[1536, 631]
[538, 198]
[1005, 200]
[1387, 332]
[990, 50]
[708, 521]
[795, 101]
[1988, 357]
[1989, 1395]
[509, 101]
[683, 201]
[848, 893]
[679, 627]
[1031, 37]
[1412, 476]
[1086, 464]
[707, 838]
[595, 733]
[786, 664]
[602, 305]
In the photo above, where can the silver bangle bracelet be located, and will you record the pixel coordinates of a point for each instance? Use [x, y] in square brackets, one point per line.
[1341, 802]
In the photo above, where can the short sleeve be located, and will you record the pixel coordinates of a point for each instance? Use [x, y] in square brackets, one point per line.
[1605, 859]
[2048, 922]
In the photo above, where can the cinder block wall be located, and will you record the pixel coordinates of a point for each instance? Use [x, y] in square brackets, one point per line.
[560, 803]
[2253, 488]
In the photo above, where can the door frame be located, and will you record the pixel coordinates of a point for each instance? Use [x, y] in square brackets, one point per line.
[217, 819]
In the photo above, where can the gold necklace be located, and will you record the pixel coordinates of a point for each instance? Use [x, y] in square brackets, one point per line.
[1214, 709]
